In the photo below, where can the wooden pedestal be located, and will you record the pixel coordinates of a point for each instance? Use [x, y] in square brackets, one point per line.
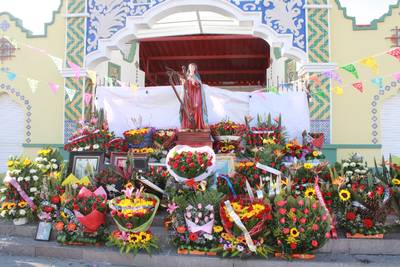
[194, 139]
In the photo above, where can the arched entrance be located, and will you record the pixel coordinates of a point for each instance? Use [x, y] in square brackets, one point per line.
[12, 135]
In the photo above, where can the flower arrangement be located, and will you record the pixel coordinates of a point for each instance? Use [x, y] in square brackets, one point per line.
[111, 180]
[20, 195]
[143, 150]
[227, 128]
[164, 139]
[133, 213]
[227, 146]
[193, 217]
[293, 150]
[227, 184]
[184, 162]
[301, 225]
[139, 138]
[254, 214]
[266, 131]
[364, 199]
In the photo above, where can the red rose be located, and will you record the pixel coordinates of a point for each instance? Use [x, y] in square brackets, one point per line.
[193, 236]
[368, 223]
[183, 168]
[282, 211]
[314, 243]
[315, 227]
[286, 231]
[55, 199]
[191, 165]
[302, 220]
[209, 163]
[380, 190]
[293, 245]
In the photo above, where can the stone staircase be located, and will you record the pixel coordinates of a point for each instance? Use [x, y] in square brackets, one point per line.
[19, 240]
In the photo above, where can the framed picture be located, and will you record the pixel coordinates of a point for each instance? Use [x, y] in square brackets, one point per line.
[43, 231]
[83, 164]
[140, 162]
[119, 159]
[114, 72]
[225, 164]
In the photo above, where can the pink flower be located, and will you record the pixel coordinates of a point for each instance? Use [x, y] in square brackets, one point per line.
[302, 230]
[328, 235]
[324, 217]
[294, 219]
[282, 220]
[314, 205]
[300, 202]
[302, 220]
[281, 203]
[286, 231]
[306, 211]
[315, 227]
[293, 209]
[282, 211]
[171, 207]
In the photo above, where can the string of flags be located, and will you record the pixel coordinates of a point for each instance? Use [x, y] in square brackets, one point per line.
[369, 62]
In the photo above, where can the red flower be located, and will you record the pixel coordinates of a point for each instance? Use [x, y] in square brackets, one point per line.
[380, 190]
[193, 236]
[286, 231]
[302, 220]
[293, 245]
[350, 216]
[315, 227]
[281, 203]
[55, 199]
[191, 183]
[282, 211]
[183, 168]
[314, 243]
[368, 223]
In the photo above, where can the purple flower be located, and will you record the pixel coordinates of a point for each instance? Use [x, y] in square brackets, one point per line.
[171, 207]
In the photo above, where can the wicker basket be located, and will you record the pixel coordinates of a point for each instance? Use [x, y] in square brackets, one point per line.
[260, 226]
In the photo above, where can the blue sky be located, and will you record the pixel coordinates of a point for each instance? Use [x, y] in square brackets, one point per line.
[35, 13]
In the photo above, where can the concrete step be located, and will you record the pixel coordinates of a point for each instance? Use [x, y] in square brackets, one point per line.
[22, 246]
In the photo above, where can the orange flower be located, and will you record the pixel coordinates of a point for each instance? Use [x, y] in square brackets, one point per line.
[71, 227]
[59, 226]
[181, 229]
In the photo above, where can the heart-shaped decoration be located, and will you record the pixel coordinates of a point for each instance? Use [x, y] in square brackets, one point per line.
[185, 162]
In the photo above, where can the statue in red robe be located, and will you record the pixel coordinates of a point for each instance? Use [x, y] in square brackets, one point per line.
[193, 101]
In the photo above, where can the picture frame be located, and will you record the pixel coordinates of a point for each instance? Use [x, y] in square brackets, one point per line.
[43, 231]
[114, 72]
[83, 164]
[119, 159]
[225, 164]
[140, 162]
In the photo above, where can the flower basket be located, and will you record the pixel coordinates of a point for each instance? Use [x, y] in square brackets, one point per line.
[125, 211]
[362, 236]
[190, 163]
[139, 138]
[20, 221]
[242, 203]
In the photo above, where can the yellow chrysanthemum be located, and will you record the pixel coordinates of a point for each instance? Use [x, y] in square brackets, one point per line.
[27, 162]
[10, 163]
[218, 229]
[269, 141]
[395, 181]
[44, 152]
[344, 195]
[294, 232]
[310, 192]
[315, 153]
[224, 149]
[249, 164]
[307, 166]
[22, 204]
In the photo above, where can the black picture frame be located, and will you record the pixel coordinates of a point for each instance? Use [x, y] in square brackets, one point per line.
[140, 162]
[43, 231]
[75, 167]
[117, 157]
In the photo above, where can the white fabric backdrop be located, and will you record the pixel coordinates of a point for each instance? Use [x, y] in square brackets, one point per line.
[160, 108]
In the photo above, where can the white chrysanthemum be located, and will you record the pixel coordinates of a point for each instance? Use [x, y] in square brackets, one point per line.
[33, 189]
[54, 166]
[22, 212]
[27, 178]
[87, 147]
[349, 173]
[80, 149]
[357, 171]
[353, 164]
[96, 146]
[32, 171]
[345, 165]
[35, 178]
[20, 179]
[53, 160]
[3, 189]
[3, 213]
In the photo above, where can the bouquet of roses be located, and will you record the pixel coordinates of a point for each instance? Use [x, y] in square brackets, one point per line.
[227, 128]
[90, 208]
[118, 144]
[187, 163]
[164, 139]
[20, 195]
[254, 214]
[139, 138]
[364, 199]
[300, 225]
[266, 131]
[293, 150]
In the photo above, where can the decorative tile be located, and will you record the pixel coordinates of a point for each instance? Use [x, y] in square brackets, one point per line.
[321, 126]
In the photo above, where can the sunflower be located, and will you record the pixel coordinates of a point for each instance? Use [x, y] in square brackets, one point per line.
[344, 194]
[133, 238]
[22, 204]
[310, 192]
[224, 149]
[218, 229]
[294, 232]
[307, 166]
[144, 237]
[10, 163]
[395, 181]
[315, 153]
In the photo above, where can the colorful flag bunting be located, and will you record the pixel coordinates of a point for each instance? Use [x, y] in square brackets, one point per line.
[33, 84]
[395, 53]
[57, 61]
[87, 98]
[371, 63]
[11, 75]
[338, 90]
[352, 69]
[70, 93]
[333, 75]
[378, 81]
[53, 87]
[359, 86]
[75, 68]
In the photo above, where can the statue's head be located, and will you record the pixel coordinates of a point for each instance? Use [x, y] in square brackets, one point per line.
[192, 69]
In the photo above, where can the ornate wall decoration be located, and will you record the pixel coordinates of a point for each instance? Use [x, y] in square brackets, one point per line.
[108, 17]
[28, 108]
